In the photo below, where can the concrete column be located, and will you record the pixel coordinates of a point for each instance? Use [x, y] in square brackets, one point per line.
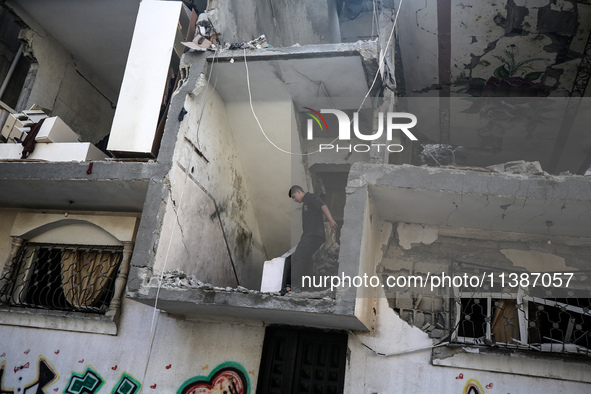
[115, 307]
[9, 265]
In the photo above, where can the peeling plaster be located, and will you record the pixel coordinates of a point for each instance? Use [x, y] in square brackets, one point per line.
[535, 261]
[409, 234]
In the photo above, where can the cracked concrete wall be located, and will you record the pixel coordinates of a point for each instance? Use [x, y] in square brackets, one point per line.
[413, 372]
[408, 321]
[68, 90]
[423, 250]
[417, 34]
[209, 228]
[536, 44]
[284, 22]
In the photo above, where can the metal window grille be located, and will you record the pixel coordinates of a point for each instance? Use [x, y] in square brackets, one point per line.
[61, 277]
[520, 321]
[542, 319]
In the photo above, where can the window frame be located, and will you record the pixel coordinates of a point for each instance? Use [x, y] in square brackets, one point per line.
[522, 299]
[18, 288]
[109, 230]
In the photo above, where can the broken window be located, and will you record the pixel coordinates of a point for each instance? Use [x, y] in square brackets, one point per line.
[62, 277]
[517, 319]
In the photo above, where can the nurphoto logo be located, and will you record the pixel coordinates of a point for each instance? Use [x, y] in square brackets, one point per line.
[391, 120]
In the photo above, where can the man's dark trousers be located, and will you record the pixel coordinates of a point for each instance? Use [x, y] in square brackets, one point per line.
[300, 262]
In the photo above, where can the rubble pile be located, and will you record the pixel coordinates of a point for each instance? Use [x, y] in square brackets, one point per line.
[179, 280]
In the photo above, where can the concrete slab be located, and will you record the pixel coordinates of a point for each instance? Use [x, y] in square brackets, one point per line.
[200, 304]
[448, 197]
[344, 70]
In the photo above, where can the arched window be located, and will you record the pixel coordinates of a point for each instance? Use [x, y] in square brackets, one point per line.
[68, 264]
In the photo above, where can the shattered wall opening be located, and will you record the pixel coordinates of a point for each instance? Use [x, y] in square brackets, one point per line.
[479, 315]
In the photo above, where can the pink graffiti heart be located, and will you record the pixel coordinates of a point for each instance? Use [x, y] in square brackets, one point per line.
[460, 376]
[169, 366]
[489, 386]
[228, 378]
[114, 368]
[27, 351]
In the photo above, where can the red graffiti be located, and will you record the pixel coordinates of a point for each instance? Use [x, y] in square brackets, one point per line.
[81, 361]
[226, 379]
[460, 376]
[169, 366]
[57, 351]
[114, 368]
[153, 386]
[489, 386]
[3, 355]
[56, 389]
[16, 369]
[27, 351]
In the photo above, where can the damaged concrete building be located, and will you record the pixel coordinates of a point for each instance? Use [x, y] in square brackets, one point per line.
[147, 148]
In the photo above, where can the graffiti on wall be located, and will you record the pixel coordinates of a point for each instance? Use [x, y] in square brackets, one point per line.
[127, 384]
[90, 382]
[46, 375]
[473, 386]
[87, 382]
[228, 378]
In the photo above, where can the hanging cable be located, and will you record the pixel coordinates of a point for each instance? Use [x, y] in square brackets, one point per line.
[362, 102]
[154, 324]
[404, 353]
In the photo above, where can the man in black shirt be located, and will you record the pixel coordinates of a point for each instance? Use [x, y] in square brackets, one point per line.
[313, 235]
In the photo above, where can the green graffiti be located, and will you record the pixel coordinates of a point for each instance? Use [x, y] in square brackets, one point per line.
[89, 383]
[126, 385]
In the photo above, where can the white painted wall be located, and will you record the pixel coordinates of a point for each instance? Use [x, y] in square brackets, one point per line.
[62, 86]
[269, 171]
[200, 248]
[181, 350]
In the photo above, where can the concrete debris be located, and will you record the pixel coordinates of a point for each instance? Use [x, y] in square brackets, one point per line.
[258, 43]
[324, 294]
[520, 167]
[179, 280]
